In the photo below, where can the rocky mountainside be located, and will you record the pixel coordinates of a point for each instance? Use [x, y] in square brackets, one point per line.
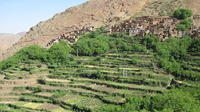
[166, 7]
[94, 13]
[7, 40]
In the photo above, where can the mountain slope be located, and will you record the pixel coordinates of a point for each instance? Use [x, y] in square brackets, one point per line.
[7, 40]
[104, 73]
[167, 7]
[94, 12]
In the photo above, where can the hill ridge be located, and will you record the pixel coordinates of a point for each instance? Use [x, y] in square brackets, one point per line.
[93, 13]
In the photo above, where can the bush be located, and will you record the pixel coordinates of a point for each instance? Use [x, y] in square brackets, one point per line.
[195, 45]
[58, 53]
[182, 13]
[35, 89]
[8, 77]
[3, 108]
[41, 81]
[185, 24]
[91, 46]
[176, 100]
[150, 41]
[181, 27]
[59, 94]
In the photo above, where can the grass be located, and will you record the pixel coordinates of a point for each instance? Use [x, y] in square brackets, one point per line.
[32, 105]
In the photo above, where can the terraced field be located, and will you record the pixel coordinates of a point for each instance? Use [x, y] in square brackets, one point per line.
[84, 85]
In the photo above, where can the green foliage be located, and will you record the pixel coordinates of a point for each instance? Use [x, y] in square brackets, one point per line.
[176, 100]
[182, 13]
[41, 81]
[94, 34]
[58, 53]
[87, 46]
[8, 77]
[181, 27]
[9, 63]
[150, 41]
[35, 89]
[135, 61]
[171, 55]
[195, 45]
[3, 108]
[95, 45]
[34, 52]
[59, 94]
[185, 24]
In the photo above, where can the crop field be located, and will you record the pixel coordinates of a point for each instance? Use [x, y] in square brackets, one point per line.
[94, 82]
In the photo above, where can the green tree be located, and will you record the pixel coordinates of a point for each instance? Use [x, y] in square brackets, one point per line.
[58, 53]
[182, 13]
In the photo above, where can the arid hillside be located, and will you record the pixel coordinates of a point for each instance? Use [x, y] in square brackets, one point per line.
[166, 7]
[7, 40]
[96, 13]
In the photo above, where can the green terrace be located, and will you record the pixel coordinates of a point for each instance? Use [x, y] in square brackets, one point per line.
[101, 75]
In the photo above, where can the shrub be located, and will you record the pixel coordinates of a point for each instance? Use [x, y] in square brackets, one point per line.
[178, 101]
[91, 46]
[8, 77]
[182, 13]
[59, 94]
[58, 53]
[195, 45]
[35, 89]
[181, 27]
[34, 52]
[150, 41]
[41, 81]
[185, 24]
[135, 61]
[3, 108]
